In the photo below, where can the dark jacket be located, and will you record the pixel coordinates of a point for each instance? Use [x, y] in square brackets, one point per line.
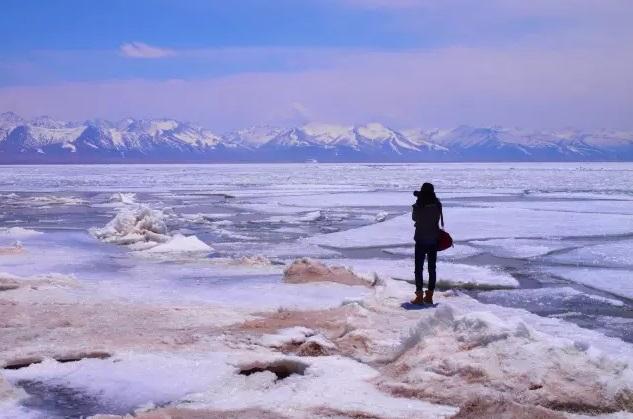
[427, 218]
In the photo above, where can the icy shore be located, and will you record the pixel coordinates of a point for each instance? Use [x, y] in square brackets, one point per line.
[459, 357]
[257, 293]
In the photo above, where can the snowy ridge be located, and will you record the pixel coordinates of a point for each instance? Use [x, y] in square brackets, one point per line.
[46, 140]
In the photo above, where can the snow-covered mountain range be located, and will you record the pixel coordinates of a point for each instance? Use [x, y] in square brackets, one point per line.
[46, 140]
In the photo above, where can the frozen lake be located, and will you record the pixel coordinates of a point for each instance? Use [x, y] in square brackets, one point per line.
[552, 239]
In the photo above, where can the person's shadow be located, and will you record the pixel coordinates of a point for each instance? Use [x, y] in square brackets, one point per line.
[409, 306]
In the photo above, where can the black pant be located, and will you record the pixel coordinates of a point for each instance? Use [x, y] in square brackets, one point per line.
[421, 250]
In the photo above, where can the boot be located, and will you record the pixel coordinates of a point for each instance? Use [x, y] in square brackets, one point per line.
[428, 298]
[419, 299]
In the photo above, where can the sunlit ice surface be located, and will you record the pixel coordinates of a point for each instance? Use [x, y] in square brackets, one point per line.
[109, 271]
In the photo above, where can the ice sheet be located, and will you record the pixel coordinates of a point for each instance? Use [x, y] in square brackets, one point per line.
[593, 206]
[617, 253]
[132, 380]
[558, 298]
[519, 248]
[458, 251]
[616, 281]
[483, 223]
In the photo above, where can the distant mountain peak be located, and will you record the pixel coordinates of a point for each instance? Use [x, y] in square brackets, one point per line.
[47, 140]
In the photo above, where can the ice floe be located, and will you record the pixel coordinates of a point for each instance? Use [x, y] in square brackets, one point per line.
[615, 281]
[484, 223]
[617, 253]
[519, 248]
[548, 299]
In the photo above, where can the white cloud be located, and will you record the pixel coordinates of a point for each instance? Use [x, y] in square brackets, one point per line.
[142, 50]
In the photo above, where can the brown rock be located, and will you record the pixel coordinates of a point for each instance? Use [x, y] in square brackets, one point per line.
[306, 270]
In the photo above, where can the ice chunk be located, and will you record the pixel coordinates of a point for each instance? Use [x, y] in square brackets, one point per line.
[311, 216]
[181, 244]
[381, 216]
[123, 198]
[132, 225]
[291, 335]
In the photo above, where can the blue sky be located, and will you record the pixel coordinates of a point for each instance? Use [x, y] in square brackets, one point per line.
[225, 64]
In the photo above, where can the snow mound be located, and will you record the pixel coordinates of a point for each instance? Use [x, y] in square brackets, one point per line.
[181, 244]
[143, 229]
[308, 270]
[134, 225]
[504, 358]
[19, 232]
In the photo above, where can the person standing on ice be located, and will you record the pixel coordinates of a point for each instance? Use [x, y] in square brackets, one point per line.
[427, 215]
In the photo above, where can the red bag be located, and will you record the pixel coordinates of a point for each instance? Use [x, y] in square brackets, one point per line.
[444, 241]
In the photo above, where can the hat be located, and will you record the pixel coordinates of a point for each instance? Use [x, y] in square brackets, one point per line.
[426, 188]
